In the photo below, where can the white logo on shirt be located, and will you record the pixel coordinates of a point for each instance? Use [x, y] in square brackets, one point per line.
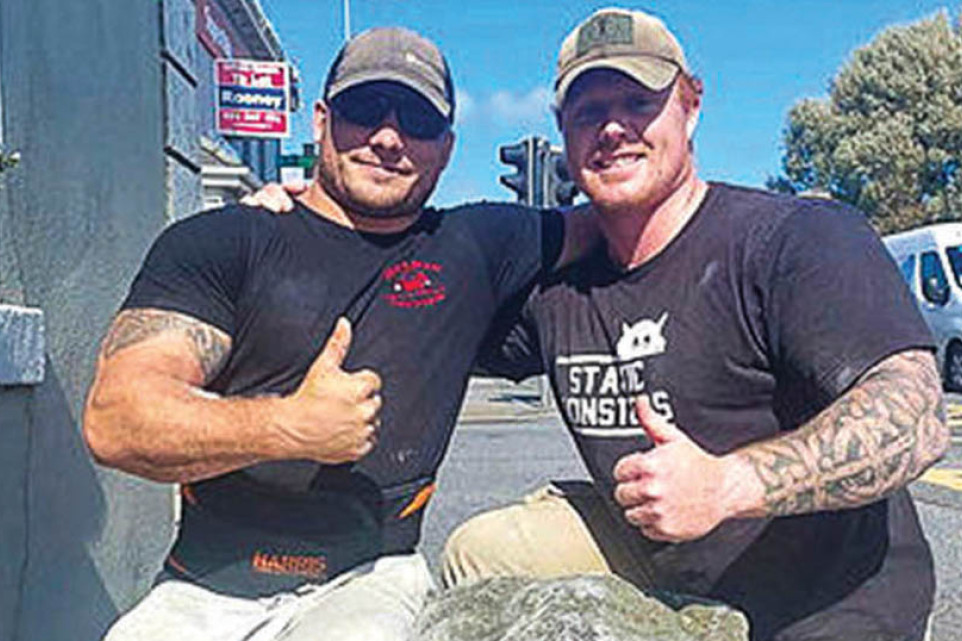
[599, 390]
[642, 339]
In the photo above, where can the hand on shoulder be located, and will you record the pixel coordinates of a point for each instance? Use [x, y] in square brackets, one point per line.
[276, 197]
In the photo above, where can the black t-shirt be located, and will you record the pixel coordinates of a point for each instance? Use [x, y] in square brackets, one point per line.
[760, 313]
[419, 301]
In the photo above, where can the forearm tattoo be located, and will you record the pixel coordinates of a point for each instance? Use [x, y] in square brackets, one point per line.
[875, 438]
[209, 344]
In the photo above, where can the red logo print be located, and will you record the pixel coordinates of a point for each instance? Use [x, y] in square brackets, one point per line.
[414, 283]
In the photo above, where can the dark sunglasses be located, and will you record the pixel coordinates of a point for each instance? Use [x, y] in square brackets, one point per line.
[369, 106]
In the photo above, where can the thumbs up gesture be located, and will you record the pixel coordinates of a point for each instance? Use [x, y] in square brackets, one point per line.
[675, 491]
[333, 415]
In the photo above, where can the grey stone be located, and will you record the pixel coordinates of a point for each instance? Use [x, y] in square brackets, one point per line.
[579, 608]
[21, 345]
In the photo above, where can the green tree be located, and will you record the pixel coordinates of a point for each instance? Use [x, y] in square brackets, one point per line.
[888, 138]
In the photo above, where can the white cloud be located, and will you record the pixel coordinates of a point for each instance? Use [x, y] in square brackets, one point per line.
[465, 106]
[521, 109]
[528, 110]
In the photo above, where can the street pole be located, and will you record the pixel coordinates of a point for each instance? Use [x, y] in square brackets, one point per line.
[347, 20]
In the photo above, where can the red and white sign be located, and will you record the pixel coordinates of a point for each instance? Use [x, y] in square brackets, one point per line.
[253, 98]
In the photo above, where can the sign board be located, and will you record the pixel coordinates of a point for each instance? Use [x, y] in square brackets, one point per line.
[253, 98]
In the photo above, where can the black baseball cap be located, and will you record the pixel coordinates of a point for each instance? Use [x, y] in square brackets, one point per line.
[393, 54]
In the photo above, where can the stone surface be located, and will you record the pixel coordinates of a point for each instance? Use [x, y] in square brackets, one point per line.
[581, 608]
[21, 345]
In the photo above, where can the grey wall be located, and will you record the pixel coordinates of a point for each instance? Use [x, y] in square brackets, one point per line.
[82, 101]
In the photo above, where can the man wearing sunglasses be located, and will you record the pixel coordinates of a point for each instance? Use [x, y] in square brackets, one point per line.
[744, 373]
[300, 375]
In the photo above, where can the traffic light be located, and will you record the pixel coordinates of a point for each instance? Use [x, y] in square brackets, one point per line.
[541, 179]
[524, 182]
[559, 189]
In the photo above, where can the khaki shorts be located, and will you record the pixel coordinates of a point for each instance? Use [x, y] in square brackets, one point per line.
[559, 530]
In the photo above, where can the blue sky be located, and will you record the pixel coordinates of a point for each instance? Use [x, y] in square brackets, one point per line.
[756, 57]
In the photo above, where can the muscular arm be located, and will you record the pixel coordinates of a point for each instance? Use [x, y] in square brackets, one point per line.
[877, 437]
[208, 346]
[147, 412]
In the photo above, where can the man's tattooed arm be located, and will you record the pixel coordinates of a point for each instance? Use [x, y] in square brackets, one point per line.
[147, 412]
[877, 437]
[207, 343]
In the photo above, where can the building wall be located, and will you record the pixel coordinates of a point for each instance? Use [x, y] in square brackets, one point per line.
[180, 72]
[105, 101]
[258, 154]
[80, 87]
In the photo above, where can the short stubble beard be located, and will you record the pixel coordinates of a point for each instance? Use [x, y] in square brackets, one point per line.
[408, 206]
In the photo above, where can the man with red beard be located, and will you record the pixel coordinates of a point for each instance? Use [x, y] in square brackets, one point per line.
[744, 373]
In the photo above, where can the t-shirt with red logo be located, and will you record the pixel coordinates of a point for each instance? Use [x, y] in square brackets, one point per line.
[753, 319]
[420, 302]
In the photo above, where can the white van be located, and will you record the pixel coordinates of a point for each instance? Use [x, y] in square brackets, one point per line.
[930, 258]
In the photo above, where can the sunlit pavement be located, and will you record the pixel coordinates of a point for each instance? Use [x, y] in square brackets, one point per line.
[938, 495]
[947, 473]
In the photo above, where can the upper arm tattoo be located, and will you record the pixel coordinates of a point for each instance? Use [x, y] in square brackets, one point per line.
[209, 344]
[879, 435]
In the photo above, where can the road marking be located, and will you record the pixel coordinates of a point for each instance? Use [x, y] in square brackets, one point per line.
[954, 411]
[945, 476]
[954, 420]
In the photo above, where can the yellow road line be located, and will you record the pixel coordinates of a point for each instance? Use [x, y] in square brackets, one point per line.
[945, 476]
[954, 416]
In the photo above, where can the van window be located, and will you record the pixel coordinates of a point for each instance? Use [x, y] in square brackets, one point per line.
[954, 254]
[908, 268]
[935, 286]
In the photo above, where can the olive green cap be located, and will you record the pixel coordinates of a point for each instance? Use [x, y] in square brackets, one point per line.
[632, 42]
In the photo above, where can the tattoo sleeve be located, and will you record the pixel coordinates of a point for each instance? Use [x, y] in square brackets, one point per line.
[881, 434]
[209, 344]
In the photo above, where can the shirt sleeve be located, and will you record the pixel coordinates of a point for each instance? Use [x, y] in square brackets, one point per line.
[196, 267]
[836, 304]
[511, 348]
[519, 244]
